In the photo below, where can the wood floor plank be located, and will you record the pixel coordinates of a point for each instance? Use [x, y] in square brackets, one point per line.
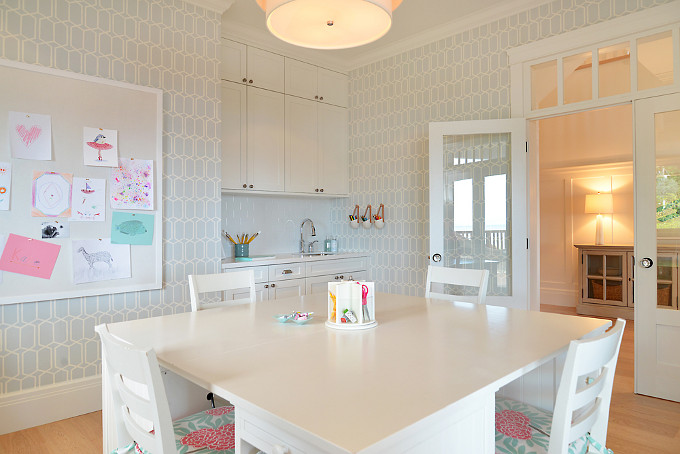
[637, 424]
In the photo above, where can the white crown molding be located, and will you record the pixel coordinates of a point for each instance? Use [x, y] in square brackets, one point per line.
[219, 6]
[659, 16]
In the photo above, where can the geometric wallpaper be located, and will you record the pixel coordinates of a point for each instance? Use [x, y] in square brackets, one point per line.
[169, 45]
[462, 77]
[174, 46]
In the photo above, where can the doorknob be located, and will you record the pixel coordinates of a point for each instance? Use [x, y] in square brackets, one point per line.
[437, 258]
[646, 262]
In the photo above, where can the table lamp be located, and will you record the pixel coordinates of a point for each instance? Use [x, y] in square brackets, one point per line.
[599, 204]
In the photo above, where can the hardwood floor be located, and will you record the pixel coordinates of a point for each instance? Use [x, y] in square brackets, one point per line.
[637, 424]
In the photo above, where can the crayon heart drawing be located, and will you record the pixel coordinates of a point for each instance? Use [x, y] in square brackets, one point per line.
[28, 136]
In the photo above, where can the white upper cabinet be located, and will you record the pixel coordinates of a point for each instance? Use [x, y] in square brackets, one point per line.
[266, 145]
[320, 84]
[252, 66]
[234, 140]
[333, 87]
[316, 147]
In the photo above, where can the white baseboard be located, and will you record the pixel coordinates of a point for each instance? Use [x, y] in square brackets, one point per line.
[558, 296]
[25, 409]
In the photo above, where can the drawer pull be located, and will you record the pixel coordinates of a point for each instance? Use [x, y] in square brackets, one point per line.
[287, 272]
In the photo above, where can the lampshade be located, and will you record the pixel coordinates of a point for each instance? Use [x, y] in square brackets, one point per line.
[328, 24]
[599, 203]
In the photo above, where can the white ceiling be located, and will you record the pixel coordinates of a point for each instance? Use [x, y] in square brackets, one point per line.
[415, 23]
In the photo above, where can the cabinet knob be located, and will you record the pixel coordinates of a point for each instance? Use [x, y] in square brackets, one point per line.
[317, 189]
[251, 186]
[273, 285]
[321, 98]
[245, 185]
[245, 80]
[250, 81]
[321, 190]
[336, 278]
[316, 97]
[266, 286]
[342, 277]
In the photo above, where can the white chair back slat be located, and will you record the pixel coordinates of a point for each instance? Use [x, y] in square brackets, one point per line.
[220, 282]
[582, 405]
[457, 276]
[127, 362]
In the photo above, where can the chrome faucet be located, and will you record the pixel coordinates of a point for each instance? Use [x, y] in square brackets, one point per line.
[302, 238]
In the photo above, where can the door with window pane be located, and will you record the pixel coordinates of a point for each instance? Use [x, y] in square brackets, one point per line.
[657, 246]
[477, 204]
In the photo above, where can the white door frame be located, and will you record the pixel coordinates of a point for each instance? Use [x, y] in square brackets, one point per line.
[516, 127]
[588, 38]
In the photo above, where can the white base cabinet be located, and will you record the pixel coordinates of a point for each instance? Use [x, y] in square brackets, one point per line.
[299, 278]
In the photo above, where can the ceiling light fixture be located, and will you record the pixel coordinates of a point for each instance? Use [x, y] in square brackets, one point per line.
[328, 24]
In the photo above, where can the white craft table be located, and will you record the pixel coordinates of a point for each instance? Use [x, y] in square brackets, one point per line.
[423, 380]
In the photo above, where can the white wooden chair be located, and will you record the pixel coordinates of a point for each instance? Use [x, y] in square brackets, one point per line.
[457, 276]
[141, 410]
[581, 414]
[220, 282]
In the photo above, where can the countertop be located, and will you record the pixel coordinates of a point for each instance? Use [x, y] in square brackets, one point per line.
[290, 258]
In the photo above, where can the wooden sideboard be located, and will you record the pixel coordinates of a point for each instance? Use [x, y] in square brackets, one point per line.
[606, 277]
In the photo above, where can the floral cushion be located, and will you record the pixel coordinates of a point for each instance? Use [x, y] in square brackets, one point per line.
[210, 431]
[521, 428]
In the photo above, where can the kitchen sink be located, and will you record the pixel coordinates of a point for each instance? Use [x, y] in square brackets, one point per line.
[315, 254]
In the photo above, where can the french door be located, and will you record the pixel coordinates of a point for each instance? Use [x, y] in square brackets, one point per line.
[478, 203]
[657, 237]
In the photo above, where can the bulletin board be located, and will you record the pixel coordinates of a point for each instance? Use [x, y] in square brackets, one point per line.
[76, 101]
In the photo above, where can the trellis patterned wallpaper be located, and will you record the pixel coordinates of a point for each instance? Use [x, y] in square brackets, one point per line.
[462, 77]
[165, 44]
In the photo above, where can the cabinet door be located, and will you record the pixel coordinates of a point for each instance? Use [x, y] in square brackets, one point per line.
[261, 293]
[285, 289]
[301, 145]
[265, 140]
[233, 61]
[333, 149]
[234, 140]
[333, 87]
[265, 69]
[319, 284]
[301, 79]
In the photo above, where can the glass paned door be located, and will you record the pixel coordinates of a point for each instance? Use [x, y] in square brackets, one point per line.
[657, 245]
[477, 204]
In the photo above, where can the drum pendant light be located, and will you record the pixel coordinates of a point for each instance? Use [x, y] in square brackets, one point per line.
[328, 24]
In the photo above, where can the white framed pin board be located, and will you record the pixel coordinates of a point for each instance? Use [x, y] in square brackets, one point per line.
[75, 101]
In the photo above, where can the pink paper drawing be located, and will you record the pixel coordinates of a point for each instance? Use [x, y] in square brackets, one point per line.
[100, 147]
[28, 256]
[88, 202]
[132, 185]
[30, 136]
[51, 194]
[3, 240]
[5, 184]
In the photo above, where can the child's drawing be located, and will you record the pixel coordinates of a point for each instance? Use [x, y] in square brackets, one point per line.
[99, 260]
[30, 136]
[132, 185]
[88, 202]
[5, 184]
[55, 229]
[100, 147]
[28, 256]
[132, 228]
[51, 194]
[3, 240]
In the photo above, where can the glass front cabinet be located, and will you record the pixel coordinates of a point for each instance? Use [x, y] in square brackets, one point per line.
[606, 277]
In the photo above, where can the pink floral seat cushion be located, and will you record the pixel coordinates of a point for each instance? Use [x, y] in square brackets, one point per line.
[208, 432]
[522, 428]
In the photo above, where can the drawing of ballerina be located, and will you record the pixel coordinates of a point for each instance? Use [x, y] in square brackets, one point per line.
[105, 142]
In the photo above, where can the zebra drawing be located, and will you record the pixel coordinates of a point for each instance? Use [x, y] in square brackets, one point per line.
[100, 256]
